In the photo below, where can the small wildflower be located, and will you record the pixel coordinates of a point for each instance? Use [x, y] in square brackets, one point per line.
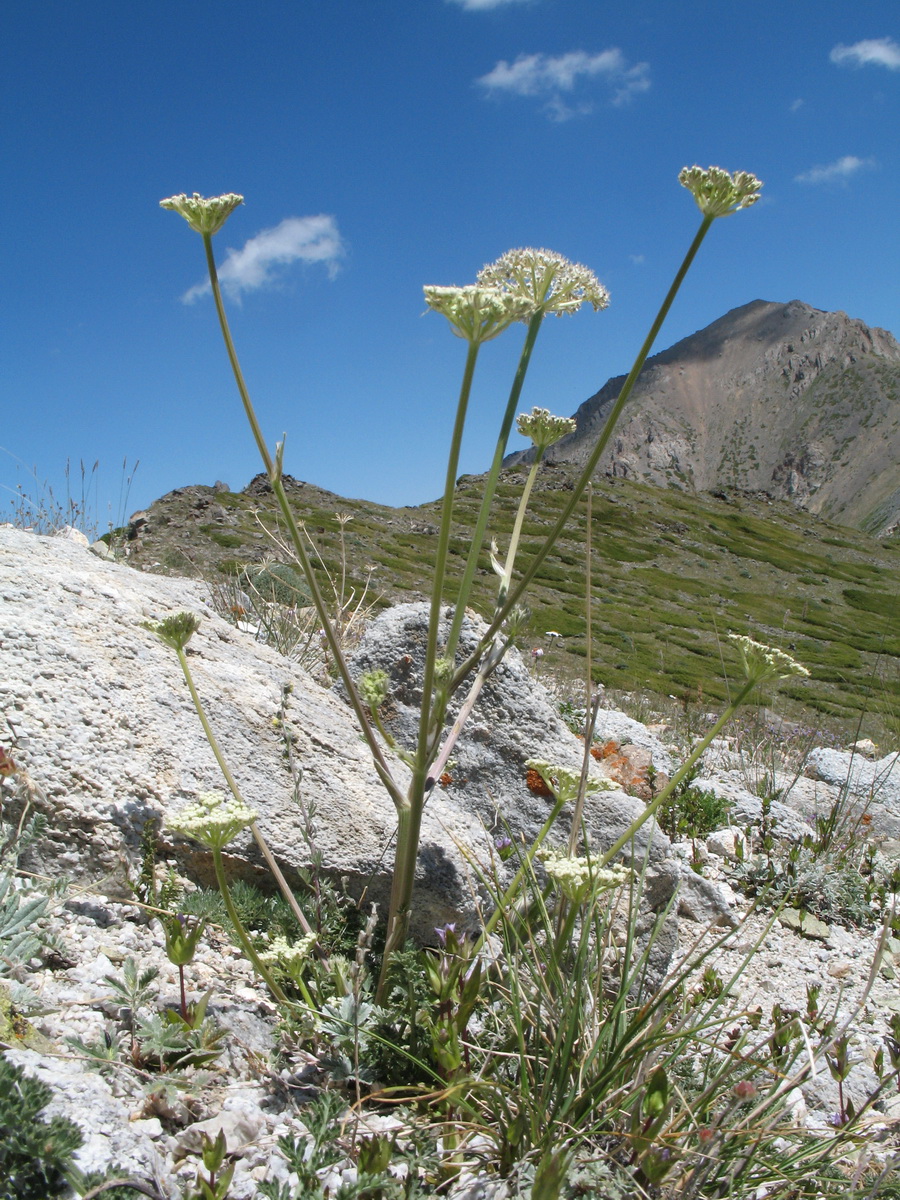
[562, 781]
[373, 687]
[206, 216]
[744, 1090]
[446, 932]
[213, 820]
[281, 954]
[575, 876]
[762, 663]
[504, 847]
[7, 764]
[547, 282]
[175, 631]
[717, 193]
[476, 314]
[543, 428]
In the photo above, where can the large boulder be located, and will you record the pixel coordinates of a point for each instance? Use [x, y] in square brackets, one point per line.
[103, 721]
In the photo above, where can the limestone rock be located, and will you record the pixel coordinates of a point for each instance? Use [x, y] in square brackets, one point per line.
[105, 726]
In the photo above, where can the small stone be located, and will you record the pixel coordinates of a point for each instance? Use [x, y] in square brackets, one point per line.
[806, 925]
[725, 842]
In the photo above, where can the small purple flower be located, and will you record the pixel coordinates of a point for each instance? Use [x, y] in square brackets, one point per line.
[444, 931]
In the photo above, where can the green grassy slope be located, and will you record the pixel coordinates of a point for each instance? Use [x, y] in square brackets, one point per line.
[672, 573]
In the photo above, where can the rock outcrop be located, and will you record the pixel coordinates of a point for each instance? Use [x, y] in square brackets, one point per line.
[102, 718]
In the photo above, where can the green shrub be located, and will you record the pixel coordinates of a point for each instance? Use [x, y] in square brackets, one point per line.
[35, 1154]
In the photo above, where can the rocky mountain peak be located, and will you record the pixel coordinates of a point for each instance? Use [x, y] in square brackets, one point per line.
[778, 398]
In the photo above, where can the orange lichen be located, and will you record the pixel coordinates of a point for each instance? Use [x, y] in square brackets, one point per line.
[536, 783]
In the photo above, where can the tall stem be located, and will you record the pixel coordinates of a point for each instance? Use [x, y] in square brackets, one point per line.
[440, 565]
[235, 791]
[490, 484]
[273, 470]
[246, 944]
[680, 775]
[584, 478]
[517, 529]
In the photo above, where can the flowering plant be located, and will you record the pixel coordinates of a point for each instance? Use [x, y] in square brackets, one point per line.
[522, 285]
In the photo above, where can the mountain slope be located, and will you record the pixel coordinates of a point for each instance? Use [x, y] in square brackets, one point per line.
[784, 399]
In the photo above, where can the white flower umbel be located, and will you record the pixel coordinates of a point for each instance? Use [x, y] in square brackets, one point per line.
[206, 216]
[548, 282]
[563, 781]
[575, 875]
[717, 193]
[214, 819]
[763, 663]
[289, 957]
[543, 428]
[476, 314]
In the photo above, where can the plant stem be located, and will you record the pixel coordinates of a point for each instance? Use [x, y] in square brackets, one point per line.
[235, 791]
[586, 474]
[273, 470]
[490, 485]
[517, 529]
[246, 945]
[440, 565]
[679, 775]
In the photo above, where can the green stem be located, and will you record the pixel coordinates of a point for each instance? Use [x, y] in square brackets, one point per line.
[680, 775]
[235, 791]
[273, 469]
[490, 485]
[585, 476]
[511, 892]
[409, 827]
[517, 529]
[246, 945]
[440, 565]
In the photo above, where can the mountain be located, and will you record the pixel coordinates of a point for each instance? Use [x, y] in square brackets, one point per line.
[782, 399]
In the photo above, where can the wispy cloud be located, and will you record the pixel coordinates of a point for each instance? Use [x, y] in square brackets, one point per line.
[296, 239]
[483, 5]
[872, 52]
[835, 172]
[540, 75]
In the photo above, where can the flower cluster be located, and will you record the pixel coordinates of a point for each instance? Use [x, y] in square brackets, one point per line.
[214, 819]
[563, 781]
[717, 193]
[175, 631]
[574, 876]
[547, 282]
[762, 663]
[286, 956]
[206, 216]
[476, 314]
[373, 688]
[543, 428]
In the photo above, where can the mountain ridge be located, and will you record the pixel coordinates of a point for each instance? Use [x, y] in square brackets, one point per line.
[782, 399]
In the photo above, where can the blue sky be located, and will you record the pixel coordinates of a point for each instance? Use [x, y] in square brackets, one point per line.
[386, 144]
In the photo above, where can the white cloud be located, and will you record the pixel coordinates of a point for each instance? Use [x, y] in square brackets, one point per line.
[839, 170]
[484, 5]
[796, 105]
[877, 52]
[296, 239]
[540, 75]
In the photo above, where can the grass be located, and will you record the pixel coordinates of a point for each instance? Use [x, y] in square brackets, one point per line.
[672, 572]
